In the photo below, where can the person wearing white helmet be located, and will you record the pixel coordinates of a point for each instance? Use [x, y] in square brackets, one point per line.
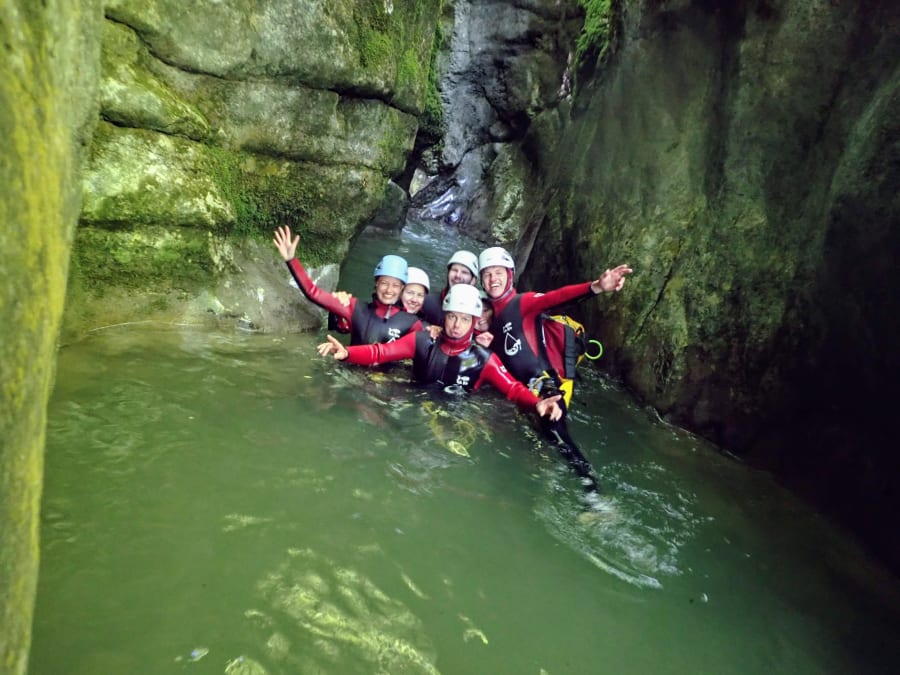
[520, 342]
[381, 320]
[462, 268]
[415, 291]
[453, 361]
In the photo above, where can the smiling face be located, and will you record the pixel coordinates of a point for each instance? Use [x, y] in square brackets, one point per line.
[484, 321]
[388, 289]
[413, 296]
[459, 274]
[494, 280]
[457, 324]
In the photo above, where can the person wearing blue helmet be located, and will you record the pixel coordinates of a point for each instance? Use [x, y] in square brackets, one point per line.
[381, 320]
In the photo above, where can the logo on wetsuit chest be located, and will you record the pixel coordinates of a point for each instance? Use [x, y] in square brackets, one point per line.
[393, 334]
[458, 388]
[511, 344]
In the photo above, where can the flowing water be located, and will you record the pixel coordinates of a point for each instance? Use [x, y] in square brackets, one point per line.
[232, 503]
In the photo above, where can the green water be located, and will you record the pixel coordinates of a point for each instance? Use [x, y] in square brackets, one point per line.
[234, 503]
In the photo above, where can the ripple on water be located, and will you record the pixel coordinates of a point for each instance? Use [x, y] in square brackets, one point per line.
[632, 532]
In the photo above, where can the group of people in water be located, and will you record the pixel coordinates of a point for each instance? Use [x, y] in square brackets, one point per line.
[459, 337]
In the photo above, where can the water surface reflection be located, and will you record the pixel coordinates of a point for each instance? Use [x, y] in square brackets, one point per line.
[233, 503]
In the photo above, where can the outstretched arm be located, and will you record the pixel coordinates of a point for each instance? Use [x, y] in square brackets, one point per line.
[611, 280]
[371, 355]
[497, 375]
[287, 247]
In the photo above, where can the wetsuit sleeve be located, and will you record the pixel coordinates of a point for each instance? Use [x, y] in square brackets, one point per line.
[534, 303]
[317, 295]
[495, 374]
[372, 355]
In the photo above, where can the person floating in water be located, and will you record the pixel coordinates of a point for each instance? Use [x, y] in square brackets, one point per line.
[453, 360]
[381, 320]
[515, 326]
[462, 268]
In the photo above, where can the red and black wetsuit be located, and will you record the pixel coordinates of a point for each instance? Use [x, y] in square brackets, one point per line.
[516, 341]
[372, 322]
[515, 327]
[432, 307]
[450, 363]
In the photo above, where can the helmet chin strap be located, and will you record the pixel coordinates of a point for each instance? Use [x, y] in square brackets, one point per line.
[509, 286]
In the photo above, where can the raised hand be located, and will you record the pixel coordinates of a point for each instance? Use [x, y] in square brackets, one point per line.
[611, 280]
[283, 243]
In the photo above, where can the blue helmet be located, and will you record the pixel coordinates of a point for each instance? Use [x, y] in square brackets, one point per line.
[392, 266]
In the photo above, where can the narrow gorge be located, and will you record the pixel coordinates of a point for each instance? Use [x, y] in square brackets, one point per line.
[742, 157]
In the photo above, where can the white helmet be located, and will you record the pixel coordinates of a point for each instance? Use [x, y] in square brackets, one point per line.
[495, 255]
[467, 259]
[415, 275]
[463, 298]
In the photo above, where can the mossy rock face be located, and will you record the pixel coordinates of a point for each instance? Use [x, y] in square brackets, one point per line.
[186, 277]
[743, 191]
[140, 177]
[131, 95]
[225, 122]
[159, 209]
[376, 49]
[48, 94]
[279, 118]
[287, 120]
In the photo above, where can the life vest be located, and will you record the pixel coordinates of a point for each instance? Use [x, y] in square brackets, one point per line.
[511, 346]
[368, 328]
[432, 365]
[563, 342]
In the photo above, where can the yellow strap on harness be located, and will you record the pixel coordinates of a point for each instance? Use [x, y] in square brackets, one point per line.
[566, 386]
